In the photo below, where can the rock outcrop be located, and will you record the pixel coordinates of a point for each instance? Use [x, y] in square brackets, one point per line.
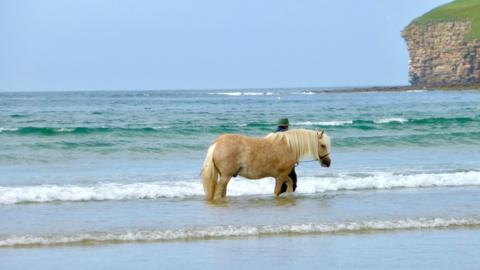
[440, 53]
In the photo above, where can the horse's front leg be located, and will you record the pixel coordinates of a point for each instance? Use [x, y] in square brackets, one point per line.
[279, 182]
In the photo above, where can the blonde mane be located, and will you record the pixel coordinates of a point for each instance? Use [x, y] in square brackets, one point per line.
[302, 142]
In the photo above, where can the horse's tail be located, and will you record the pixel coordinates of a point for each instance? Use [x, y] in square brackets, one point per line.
[209, 174]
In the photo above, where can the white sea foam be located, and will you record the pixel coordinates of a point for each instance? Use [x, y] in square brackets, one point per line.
[161, 127]
[390, 120]
[242, 93]
[237, 187]
[324, 123]
[99, 192]
[415, 91]
[215, 232]
[227, 93]
[388, 181]
[308, 92]
[2, 129]
[349, 122]
[257, 93]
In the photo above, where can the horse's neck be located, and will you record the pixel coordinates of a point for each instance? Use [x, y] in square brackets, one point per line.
[304, 143]
[300, 141]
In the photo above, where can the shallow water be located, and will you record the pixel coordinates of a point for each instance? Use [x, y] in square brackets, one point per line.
[415, 249]
[194, 219]
[118, 172]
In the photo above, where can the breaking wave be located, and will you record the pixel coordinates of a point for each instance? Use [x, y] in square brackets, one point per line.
[308, 92]
[324, 123]
[390, 120]
[242, 93]
[237, 187]
[416, 91]
[228, 231]
[353, 123]
[183, 128]
[257, 93]
[7, 129]
[227, 93]
[435, 121]
[51, 131]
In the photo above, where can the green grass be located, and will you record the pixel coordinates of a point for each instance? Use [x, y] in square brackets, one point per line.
[459, 10]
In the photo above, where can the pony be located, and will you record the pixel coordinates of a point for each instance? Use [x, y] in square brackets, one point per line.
[253, 158]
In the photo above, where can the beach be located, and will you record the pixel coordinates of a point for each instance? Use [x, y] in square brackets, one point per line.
[110, 180]
[439, 249]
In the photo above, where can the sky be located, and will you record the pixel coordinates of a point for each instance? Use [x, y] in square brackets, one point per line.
[65, 45]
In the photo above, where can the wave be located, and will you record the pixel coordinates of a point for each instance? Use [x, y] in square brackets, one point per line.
[440, 122]
[183, 128]
[308, 92]
[99, 192]
[50, 131]
[227, 93]
[324, 123]
[352, 122]
[229, 231]
[390, 120]
[257, 93]
[419, 139]
[390, 181]
[7, 129]
[443, 120]
[416, 91]
[242, 93]
[241, 187]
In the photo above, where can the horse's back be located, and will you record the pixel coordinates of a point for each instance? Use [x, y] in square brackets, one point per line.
[248, 147]
[233, 138]
[229, 144]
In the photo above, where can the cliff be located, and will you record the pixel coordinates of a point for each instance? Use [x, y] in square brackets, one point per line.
[444, 45]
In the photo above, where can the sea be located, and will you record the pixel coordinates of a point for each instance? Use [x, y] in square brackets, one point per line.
[111, 180]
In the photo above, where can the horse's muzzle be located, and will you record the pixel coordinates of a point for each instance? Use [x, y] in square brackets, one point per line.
[325, 161]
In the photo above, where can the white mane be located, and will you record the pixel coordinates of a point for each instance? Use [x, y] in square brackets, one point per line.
[302, 142]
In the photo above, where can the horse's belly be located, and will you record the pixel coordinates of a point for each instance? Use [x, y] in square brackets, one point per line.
[254, 174]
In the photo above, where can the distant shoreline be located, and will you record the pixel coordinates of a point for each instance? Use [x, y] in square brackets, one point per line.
[346, 89]
[400, 88]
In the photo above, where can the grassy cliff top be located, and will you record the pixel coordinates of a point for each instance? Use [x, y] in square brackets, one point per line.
[458, 10]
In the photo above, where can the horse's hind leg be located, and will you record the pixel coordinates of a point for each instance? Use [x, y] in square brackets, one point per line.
[221, 190]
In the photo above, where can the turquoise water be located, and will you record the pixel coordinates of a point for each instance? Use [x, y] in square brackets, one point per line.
[81, 170]
[82, 125]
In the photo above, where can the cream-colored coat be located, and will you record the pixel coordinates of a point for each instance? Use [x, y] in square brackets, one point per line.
[255, 158]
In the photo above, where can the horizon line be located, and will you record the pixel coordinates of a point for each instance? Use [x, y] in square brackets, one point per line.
[204, 89]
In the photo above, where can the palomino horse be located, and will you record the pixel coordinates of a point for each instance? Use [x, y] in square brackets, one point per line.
[272, 156]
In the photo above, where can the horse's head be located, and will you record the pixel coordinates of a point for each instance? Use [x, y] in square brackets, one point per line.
[324, 149]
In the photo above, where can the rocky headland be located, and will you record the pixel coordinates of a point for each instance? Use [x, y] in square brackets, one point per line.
[444, 46]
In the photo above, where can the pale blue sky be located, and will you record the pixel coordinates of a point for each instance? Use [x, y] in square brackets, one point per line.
[203, 44]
